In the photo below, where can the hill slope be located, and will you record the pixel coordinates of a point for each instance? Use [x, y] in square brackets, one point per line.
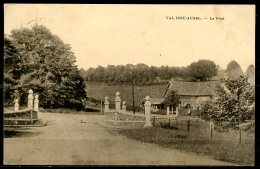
[99, 91]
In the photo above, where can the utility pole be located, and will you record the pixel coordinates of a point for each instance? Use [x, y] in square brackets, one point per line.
[133, 93]
[101, 112]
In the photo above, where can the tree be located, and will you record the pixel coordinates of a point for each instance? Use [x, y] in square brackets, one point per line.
[48, 67]
[235, 101]
[172, 99]
[250, 72]
[209, 110]
[234, 70]
[202, 70]
[99, 74]
[12, 69]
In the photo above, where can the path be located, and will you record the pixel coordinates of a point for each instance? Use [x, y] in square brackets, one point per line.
[67, 141]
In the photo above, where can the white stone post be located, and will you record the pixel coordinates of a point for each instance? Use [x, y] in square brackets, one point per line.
[189, 111]
[106, 104]
[124, 107]
[211, 125]
[168, 111]
[118, 101]
[16, 105]
[147, 106]
[177, 111]
[30, 99]
[36, 102]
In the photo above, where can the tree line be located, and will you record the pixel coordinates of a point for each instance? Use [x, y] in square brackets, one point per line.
[143, 74]
[38, 60]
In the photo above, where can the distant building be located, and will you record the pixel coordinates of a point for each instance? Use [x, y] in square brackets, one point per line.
[192, 94]
[157, 103]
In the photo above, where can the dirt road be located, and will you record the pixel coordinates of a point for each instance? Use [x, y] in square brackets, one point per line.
[67, 141]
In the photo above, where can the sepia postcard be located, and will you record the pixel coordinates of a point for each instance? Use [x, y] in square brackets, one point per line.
[115, 84]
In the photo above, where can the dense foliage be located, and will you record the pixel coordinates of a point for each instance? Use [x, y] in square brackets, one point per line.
[147, 75]
[37, 59]
[250, 70]
[12, 69]
[202, 70]
[234, 102]
[172, 99]
[234, 70]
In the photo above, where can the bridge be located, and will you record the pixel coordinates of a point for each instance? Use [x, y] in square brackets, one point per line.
[26, 117]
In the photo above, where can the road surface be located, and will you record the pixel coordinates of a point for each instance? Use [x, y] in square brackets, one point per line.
[67, 141]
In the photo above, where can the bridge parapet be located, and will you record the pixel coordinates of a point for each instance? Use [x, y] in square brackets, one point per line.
[24, 116]
[20, 117]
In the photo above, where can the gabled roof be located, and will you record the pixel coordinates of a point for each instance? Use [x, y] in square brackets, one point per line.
[156, 100]
[193, 88]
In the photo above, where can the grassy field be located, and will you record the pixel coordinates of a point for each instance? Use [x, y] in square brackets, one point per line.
[223, 146]
[99, 91]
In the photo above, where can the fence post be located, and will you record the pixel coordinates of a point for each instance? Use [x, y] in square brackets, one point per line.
[177, 111]
[106, 104]
[118, 101]
[30, 99]
[147, 112]
[36, 103]
[116, 118]
[123, 107]
[16, 105]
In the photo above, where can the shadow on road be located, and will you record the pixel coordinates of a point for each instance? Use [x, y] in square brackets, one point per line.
[19, 134]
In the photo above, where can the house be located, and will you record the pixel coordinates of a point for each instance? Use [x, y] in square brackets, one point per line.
[157, 103]
[192, 94]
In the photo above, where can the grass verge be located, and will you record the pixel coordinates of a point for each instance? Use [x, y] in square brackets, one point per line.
[227, 149]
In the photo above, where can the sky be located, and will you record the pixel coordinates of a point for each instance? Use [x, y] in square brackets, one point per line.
[130, 34]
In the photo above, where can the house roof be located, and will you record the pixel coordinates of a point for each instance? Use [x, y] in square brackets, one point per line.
[156, 100]
[193, 88]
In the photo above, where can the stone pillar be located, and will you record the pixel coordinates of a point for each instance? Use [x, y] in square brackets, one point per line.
[177, 111]
[147, 106]
[36, 102]
[123, 107]
[211, 125]
[189, 111]
[106, 104]
[168, 111]
[30, 99]
[118, 101]
[16, 105]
